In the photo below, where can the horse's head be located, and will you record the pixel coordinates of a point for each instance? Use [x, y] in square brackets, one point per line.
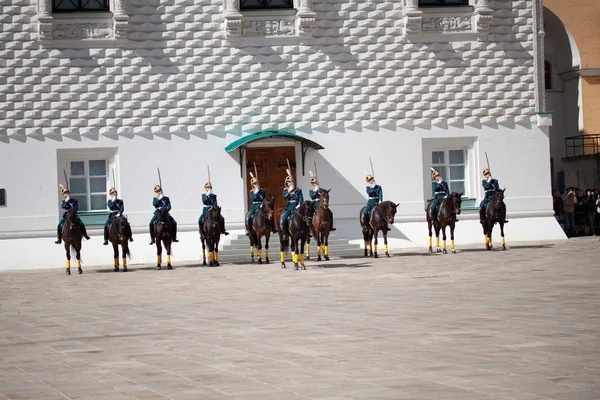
[267, 207]
[324, 197]
[497, 198]
[307, 209]
[456, 202]
[389, 211]
[214, 215]
[163, 215]
[71, 217]
[121, 228]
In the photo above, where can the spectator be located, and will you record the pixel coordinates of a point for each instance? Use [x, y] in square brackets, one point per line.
[557, 204]
[569, 200]
[580, 205]
[590, 213]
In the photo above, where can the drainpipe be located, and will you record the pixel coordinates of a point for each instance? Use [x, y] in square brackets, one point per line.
[538, 50]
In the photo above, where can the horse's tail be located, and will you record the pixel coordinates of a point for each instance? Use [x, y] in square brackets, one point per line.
[127, 252]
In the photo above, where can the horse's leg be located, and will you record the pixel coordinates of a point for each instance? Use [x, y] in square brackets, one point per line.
[430, 236]
[295, 252]
[370, 243]
[502, 234]
[366, 240]
[168, 247]
[437, 228]
[375, 235]
[216, 247]
[252, 238]
[259, 247]
[203, 240]
[319, 239]
[452, 238]
[325, 244]
[308, 241]
[125, 250]
[281, 249]
[211, 249]
[490, 229]
[444, 240]
[385, 243]
[158, 253]
[68, 254]
[116, 256]
[78, 257]
[267, 236]
[302, 242]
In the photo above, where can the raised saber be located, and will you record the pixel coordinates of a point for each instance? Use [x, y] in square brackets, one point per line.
[114, 180]
[289, 170]
[66, 180]
[159, 180]
[208, 169]
[487, 160]
[255, 172]
[372, 171]
[316, 172]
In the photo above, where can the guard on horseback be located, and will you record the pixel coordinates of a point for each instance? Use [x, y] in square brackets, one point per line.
[440, 190]
[209, 199]
[257, 196]
[294, 198]
[375, 194]
[161, 201]
[490, 185]
[315, 195]
[67, 204]
[116, 207]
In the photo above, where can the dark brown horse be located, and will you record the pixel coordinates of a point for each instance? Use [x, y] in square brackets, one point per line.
[495, 212]
[381, 215]
[261, 226]
[71, 236]
[163, 232]
[321, 226]
[211, 235]
[447, 217]
[119, 233]
[300, 227]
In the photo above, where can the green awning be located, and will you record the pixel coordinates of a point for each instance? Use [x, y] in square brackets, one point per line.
[245, 140]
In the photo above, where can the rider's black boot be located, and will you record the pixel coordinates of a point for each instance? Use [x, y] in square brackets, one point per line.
[58, 239]
[105, 236]
[223, 228]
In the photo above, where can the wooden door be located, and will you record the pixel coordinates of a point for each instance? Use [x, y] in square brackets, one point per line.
[270, 166]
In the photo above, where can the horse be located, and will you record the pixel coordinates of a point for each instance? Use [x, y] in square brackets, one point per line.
[381, 215]
[495, 212]
[449, 210]
[163, 232]
[211, 235]
[72, 236]
[321, 225]
[261, 226]
[299, 229]
[119, 232]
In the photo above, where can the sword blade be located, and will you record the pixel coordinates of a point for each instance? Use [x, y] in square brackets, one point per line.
[372, 170]
[66, 180]
[208, 168]
[255, 172]
[487, 160]
[159, 180]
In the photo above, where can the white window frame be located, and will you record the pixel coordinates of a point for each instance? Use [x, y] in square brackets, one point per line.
[83, 29]
[87, 176]
[446, 164]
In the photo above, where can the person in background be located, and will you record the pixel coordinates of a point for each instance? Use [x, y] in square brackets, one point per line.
[569, 200]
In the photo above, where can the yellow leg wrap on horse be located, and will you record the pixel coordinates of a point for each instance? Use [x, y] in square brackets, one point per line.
[267, 253]
[444, 245]
[302, 258]
[486, 239]
[375, 248]
[437, 242]
[217, 256]
[211, 256]
[430, 241]
[326, 250]
[259, 253]
[366, 246]
[371, 246]
[68, 264]
[78, 263]
[251, 251]
[503, 241]
[159, 259]
[116, 262]
[307, 249]
[124, 262]
[452, 244]
[385, 247]
[295, 258]
[203, 255]
[168, 259]
[282, 255]
[319, 248]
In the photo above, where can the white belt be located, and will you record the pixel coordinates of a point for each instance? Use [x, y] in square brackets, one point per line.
[374, 198]
[440, 192]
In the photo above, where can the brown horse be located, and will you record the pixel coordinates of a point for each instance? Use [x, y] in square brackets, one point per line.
[119, 233]
[299, 228]
[72, 236]
[495, 212]
[163, 232]
[262, 224]
[381, 215]
[447, 217]
[321, 226]
[211, 235]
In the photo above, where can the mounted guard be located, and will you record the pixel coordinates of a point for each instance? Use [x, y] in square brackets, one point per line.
[294, 198]
[315, 196]
[66, 205]
[257, 197]
[375, 194]
[209, 199]
[440, 190]
[116, 207]
[490, 186]
[160, 201]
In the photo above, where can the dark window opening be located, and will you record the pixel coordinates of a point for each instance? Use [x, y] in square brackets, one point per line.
[442, 3]
[266, 4]
[2, 197]
[80, 5]
[547, 75]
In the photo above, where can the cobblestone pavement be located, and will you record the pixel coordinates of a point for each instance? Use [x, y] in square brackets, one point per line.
[520, 324]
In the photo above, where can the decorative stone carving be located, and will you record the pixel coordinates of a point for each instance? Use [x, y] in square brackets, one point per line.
[44, 19]
[264, 28]
[412, 17]
[232, 18]
[483, 16]
[447, 24]
[83, 31]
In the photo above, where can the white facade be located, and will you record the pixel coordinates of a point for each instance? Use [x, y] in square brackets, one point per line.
[384, 79]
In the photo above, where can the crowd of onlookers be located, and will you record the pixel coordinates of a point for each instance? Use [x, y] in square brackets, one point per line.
[578, 211]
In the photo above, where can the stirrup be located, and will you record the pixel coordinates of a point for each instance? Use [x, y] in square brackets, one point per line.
[225, 233]
[87, 237]
[152, 241]
[58, 241]
[175, 240]
[131, 239]
[105, 242]
[332, 229]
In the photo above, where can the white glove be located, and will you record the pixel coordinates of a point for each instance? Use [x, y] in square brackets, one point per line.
[372, 184]
[440, 180]
[291, 189]
[256, 189]
[298, 206]
[160, 196]
[317, 188]
[68, 198]
[113, 197]
[209, 191]
[489, 178]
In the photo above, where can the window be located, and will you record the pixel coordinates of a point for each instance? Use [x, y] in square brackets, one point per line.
[547, 75]
[88, 183]
[452, 164]
[79, 5]
[265, 4]
[442, 3]
[2, 197]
